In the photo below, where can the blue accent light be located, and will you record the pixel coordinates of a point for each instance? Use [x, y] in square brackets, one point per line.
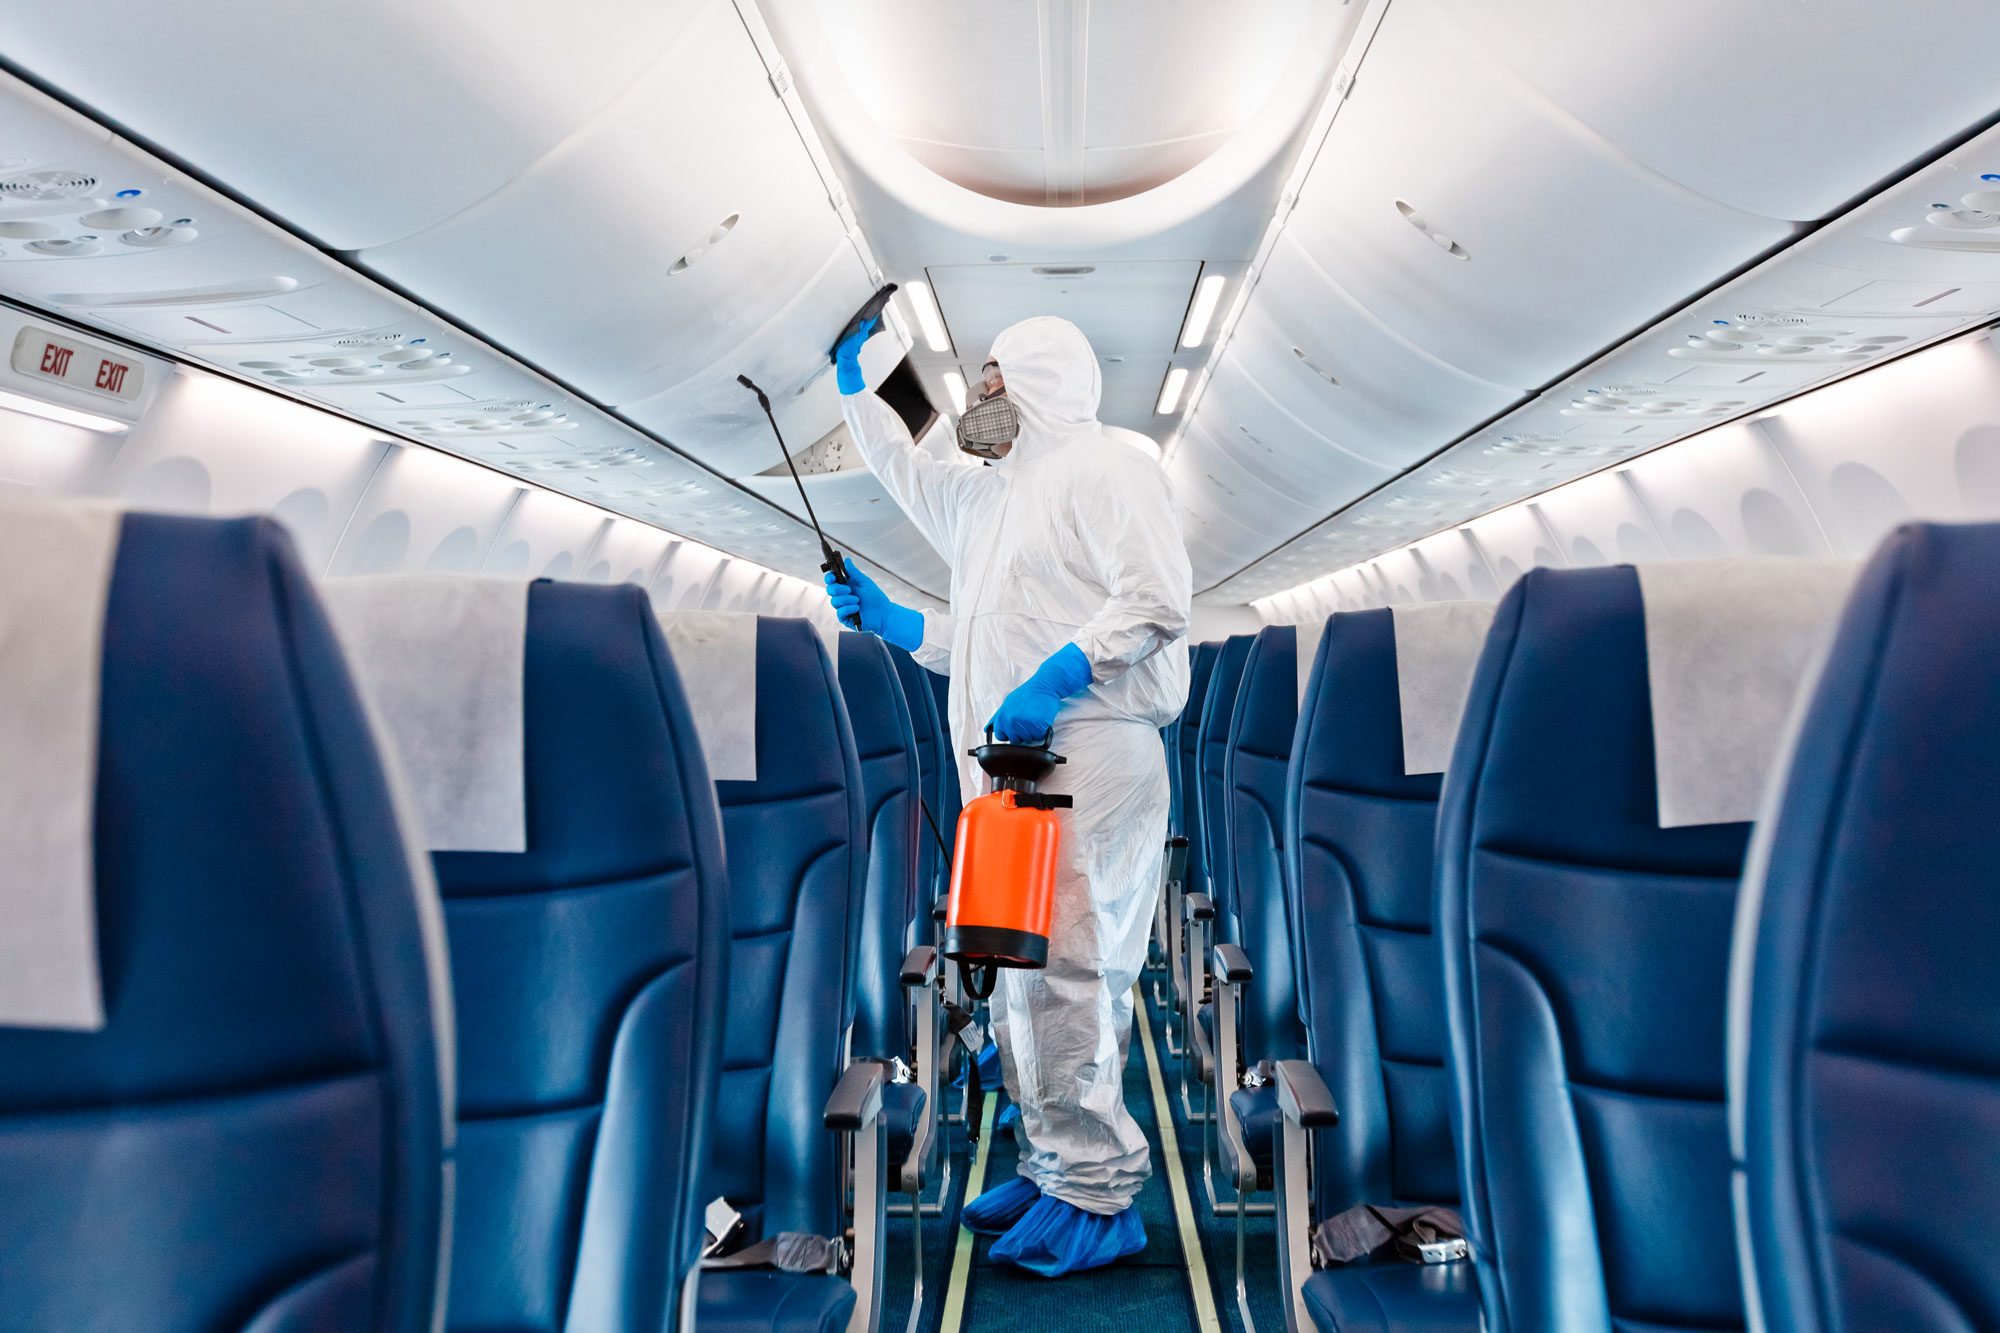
[130, 194]
[1991, 176]
[1723, 322]
[416, 341]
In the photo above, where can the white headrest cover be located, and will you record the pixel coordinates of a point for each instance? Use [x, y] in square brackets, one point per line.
[1437, 648]
[1728, 645]
[716, 655]
[1309, 635]
[55, 578]
[440, 660]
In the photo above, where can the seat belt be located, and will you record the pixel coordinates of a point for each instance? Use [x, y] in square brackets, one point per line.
[1426, 1235]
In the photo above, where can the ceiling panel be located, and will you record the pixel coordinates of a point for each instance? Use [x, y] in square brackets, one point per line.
[359, 122]
[1562, 246]
[1691, 89]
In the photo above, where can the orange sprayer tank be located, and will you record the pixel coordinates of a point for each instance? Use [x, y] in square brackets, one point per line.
[1003, 870]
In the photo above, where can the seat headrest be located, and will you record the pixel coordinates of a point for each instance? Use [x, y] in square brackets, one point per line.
[1728, 645]
[1353, 734]
[439, 659]
[1223, 683]
[55, 579]
[1437, 645]
[1201, 667]
[874, 697]
[715, 653]
[596, 744]
[1556, 747]
[803, 733]
[1267, 703]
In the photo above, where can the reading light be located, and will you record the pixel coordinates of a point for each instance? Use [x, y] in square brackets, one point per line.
[1170, 391]
[1206, 295]
[68, 416]
[929, 319]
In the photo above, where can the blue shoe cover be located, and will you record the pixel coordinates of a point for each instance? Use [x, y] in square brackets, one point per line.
[1054, 1239]
[999, 1208]
[1009, 1117]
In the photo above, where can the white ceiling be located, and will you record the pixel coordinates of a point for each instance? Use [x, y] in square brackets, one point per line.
[1485, 224]
[1062, 102]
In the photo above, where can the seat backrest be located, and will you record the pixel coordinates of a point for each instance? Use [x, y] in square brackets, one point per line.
[1218, 709]
[258, 1134]
[589, 972]
[1585, 951]
[887, 751]
[1358, 838]
[1185, 755]
[1865, 1022]
[933, 758]
[1254, 765]
[796, 838]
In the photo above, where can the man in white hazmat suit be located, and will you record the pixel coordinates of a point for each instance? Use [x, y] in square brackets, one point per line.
[1069, 587]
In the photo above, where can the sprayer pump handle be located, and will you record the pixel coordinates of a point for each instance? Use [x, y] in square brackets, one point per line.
[1047, 742]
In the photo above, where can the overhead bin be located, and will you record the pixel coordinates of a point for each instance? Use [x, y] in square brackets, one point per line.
[1477, 221]
[642, 252]
[1257, 436]
[460, 97]
[1785, 110]
[1346, 376]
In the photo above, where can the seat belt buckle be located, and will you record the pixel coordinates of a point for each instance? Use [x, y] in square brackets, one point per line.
[722, 1222]
[1443, 1251]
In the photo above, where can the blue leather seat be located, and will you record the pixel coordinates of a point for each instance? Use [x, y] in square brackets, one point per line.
[257, 1137]
[950, 798]
[1254, 765]
[590, 979]
[1217, 711]
[795, 838]
[1187, 748]
[1585, 953]
[1358, 839]
[886, 746]
[1867, 1057]
[933, 757]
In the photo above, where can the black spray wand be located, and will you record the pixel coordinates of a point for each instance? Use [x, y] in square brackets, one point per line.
[833, 564]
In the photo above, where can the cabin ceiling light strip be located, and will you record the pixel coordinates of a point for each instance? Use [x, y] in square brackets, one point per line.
[1170, 391]
[929, 318]
[1202, 312]
[68, 416]
[954, 392]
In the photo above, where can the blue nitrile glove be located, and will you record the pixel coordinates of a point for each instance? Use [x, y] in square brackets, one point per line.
[1028, 714]
[847, 357]
[861, 597]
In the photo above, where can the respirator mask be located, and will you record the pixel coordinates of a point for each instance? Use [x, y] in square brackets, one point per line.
[988, 425]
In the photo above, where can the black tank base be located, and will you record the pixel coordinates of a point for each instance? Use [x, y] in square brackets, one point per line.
[996, 946]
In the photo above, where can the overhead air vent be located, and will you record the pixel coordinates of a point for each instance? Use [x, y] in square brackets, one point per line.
[1437, 238]
[41, 186]
[706, 243]
[1064, 270]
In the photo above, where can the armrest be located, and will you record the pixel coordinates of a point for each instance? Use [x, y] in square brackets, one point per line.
[1303, 1097]
[1233, 965]
[857, 1098]
[1199, 907]
[918, 965]
[941, 908]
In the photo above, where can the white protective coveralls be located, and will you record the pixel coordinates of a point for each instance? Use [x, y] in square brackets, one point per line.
[1073, 537]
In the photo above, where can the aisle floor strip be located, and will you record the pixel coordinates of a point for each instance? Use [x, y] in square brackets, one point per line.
[1199, 1287]
[953, 1320]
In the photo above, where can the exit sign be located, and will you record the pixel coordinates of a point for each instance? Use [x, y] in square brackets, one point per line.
[77, 364]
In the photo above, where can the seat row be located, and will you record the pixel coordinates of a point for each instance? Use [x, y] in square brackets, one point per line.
[1676, 983]
[284, 1054]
